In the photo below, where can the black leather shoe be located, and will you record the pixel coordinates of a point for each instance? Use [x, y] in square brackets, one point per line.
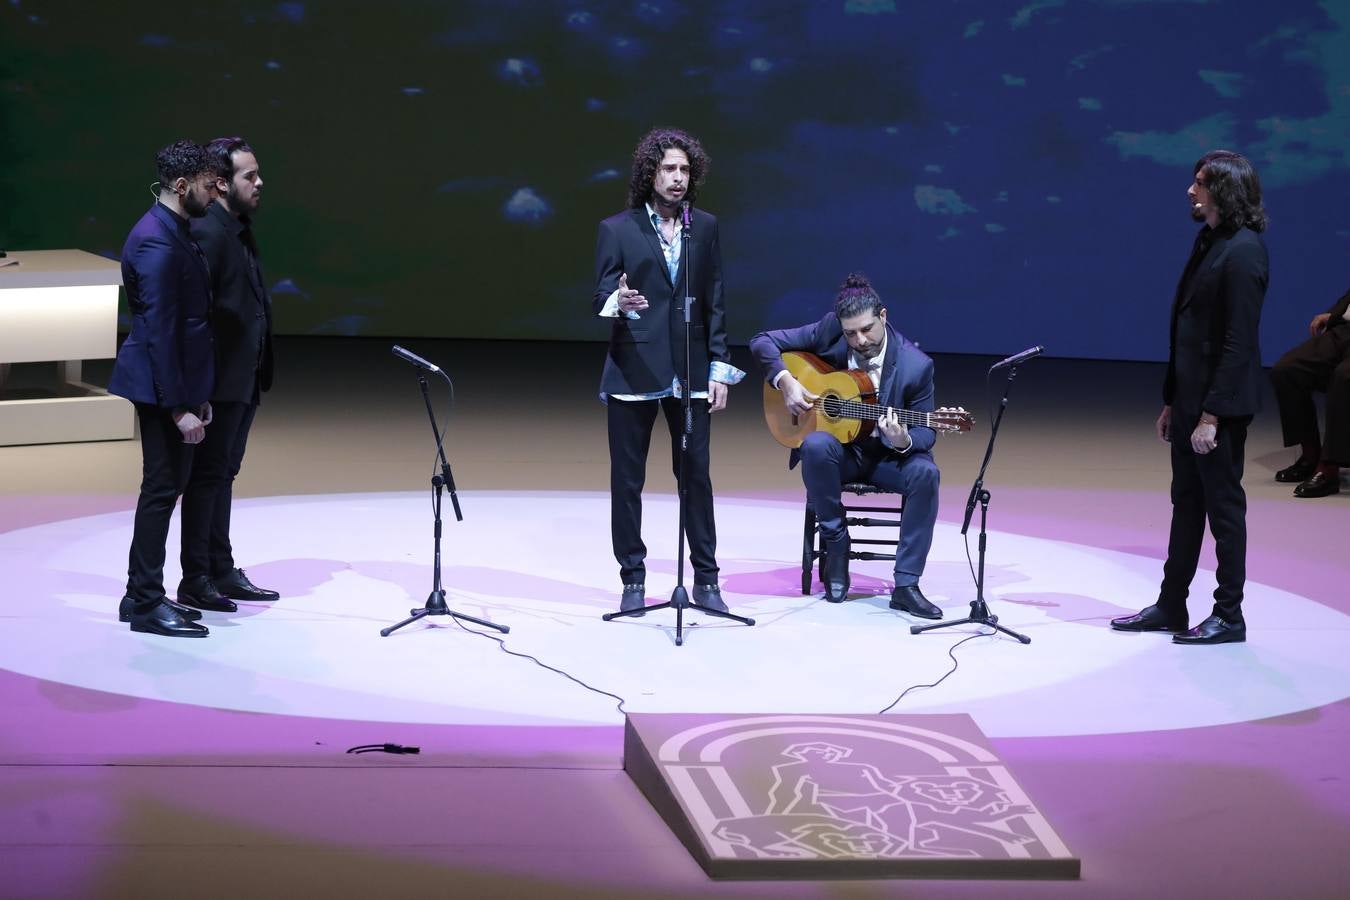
[1150, 618]
[835, 570]
[908, 598]
[125, 608]
[709, 596]
[1299, 471]
[200, 593]
[164, 620]
[634, 597]
[1319, 485]
[1213, 631]
[237, 586]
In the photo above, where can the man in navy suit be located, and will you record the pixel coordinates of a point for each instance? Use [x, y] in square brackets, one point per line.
[241, 321]
[166, 368]
[1211, 391]
[644, 262]
[856, 335]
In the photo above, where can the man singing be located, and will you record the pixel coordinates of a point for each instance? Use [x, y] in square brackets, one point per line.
[644, 267]
[1212, 390]
[856, 335]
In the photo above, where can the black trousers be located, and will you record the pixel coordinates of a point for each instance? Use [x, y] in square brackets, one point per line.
[206, 549]
[1207, 487]
[828, 464]
[166, 463]
[1319, 363]
[630, 435]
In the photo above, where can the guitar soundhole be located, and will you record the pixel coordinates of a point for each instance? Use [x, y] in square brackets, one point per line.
[830, 406]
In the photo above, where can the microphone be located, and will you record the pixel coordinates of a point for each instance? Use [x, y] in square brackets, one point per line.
[409, 356]
[1018, 358]
[687, 214]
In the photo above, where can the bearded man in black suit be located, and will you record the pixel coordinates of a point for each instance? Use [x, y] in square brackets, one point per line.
[241, 318]
[1212, 390]
[647, 261]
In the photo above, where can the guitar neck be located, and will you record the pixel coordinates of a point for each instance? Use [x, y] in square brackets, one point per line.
[853, 409]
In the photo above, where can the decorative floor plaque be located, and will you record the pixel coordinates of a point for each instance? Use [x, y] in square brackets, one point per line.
[837, 796]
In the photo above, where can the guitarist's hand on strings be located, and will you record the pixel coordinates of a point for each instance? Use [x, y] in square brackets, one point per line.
[895, 431]
[796, 398]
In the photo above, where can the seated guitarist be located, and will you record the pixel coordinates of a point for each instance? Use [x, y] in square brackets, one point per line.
[896, 457]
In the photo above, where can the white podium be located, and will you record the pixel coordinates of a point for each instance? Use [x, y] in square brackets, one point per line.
[61, 306]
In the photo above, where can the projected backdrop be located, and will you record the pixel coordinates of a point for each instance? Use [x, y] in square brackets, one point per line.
[1007, 174]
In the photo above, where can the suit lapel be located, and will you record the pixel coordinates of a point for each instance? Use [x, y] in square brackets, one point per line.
[892, 370]
[644, 225]
[1216, 251]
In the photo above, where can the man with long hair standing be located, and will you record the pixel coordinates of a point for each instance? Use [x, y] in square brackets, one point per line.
[641, 260]
[1212, 390]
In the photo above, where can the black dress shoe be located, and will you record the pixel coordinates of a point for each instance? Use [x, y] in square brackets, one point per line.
[1319, 485]
[200, 593]
[634, 597]
[908, 598]
[237, 585]
[1150, 618]
[164, 620]
[1213, 631]
[709, 596]
[1299, 471]
[835, 570]
[127, 605]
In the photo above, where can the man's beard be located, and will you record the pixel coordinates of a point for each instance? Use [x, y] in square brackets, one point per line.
[239, 205]
[192, 207]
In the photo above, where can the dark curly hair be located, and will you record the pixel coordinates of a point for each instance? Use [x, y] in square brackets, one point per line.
[181, 159]
[648, 155]
[856, 296]
[1234, 189]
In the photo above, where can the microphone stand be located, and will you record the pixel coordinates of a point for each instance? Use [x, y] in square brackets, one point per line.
[679, 598]
[435, 605]
[979, 610]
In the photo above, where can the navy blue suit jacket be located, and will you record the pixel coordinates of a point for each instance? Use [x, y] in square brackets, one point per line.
[645, 354]
[167, 360]
[906, 374]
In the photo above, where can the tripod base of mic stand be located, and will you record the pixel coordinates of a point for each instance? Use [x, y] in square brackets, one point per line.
[436, 607]
[679, 601]
[979, 615]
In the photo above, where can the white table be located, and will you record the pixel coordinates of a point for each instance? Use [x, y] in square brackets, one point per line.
[61, 306]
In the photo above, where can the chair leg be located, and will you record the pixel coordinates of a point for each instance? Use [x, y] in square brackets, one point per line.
[808, 548]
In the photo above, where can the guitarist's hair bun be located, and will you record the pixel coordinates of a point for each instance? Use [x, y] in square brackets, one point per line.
[856, 296]
[854, 281]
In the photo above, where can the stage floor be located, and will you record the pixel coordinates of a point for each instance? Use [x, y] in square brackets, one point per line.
[125, 751]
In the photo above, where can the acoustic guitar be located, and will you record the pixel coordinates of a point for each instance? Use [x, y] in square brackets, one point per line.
[846, 405]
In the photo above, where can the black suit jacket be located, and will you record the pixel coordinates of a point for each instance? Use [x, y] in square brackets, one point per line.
[242, 313]
[167, 359]
[1214, 364]
[906, 374]
[646, 354]
[1338, 309]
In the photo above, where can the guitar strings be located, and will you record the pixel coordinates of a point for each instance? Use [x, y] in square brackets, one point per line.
[856, 409]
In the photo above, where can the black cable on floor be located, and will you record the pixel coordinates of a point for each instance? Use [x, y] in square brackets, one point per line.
[543, 665]
[955, 665]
